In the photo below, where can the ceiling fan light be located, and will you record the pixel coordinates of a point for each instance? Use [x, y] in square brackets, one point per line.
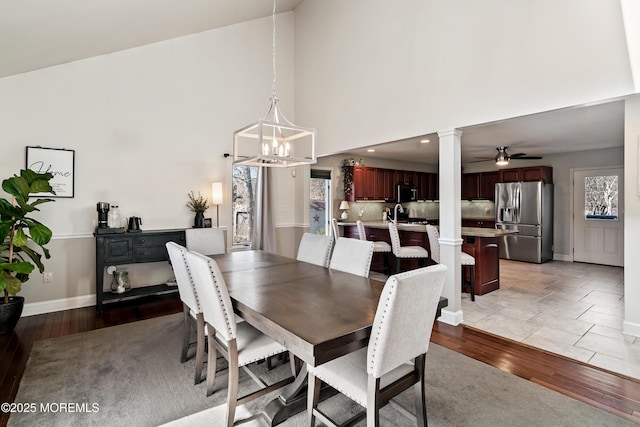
[502, 159]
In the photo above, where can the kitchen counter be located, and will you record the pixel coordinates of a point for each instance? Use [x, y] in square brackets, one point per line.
[465, 231]
[481, 243]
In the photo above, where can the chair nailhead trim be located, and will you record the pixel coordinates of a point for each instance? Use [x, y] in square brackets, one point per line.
[217, 286]
[374, 346]
[183, 253]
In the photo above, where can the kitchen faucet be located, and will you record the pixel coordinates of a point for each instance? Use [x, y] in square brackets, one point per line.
[395, 212]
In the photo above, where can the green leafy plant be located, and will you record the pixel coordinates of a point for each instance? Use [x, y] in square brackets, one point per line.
[347, 173]
[17, 258]
[197, 204]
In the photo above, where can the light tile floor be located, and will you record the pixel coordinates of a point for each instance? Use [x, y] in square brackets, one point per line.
[572, 309]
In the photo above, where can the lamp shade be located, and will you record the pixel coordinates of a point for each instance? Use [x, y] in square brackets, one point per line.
[344, 205]
[216, 193]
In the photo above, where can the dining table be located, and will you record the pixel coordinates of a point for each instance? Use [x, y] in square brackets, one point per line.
[316, 313]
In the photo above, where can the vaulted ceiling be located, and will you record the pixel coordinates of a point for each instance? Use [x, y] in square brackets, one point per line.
[35, 34]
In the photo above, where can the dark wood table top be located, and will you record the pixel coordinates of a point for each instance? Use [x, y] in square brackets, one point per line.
[317, 313]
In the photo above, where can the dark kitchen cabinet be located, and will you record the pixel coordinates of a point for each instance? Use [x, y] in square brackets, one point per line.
[470, 186]
[360, 187]
[409, 177]
[423, 185]
[434, 188]
[476, 186]
[487, 269]
[527, 174]
[537, 173]
[510, 175]
[390, 182]
[364, 183]
[427, 185]
[488, 183]
[380, 184]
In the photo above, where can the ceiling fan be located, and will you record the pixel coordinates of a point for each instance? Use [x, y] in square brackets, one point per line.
[503, 157]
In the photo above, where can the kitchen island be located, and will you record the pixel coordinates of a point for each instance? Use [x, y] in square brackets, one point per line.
[481, 243]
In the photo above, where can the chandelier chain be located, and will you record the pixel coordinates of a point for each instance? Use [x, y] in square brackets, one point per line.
[273, 15]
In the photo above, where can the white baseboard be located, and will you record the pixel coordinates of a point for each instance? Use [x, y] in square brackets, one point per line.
[34, 308]
[451, 317]
[631, 328]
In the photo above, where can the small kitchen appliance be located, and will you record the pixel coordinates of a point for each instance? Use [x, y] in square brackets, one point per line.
[134, 224]
[103, 214]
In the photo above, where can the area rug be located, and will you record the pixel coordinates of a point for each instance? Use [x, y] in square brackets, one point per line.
[130, 375]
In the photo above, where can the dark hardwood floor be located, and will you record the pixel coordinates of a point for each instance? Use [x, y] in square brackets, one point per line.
[605, 390]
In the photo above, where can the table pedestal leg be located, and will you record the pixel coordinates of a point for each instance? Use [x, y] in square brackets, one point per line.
[293, 399]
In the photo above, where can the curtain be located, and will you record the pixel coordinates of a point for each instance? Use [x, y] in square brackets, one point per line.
[264, 228]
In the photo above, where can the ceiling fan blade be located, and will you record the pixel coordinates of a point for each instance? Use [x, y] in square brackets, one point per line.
[529, 158]
[513, 156]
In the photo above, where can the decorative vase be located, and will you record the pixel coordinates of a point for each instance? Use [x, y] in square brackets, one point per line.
[10, 313]
[198, 221]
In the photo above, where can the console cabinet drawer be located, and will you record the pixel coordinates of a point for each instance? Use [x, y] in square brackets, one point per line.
[118, 250]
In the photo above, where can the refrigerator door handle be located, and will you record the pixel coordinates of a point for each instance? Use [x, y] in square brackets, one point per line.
[518, 198]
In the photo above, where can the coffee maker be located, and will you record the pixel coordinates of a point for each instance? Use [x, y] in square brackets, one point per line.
[103, 214]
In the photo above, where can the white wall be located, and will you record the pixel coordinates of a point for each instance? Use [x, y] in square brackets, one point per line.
[370, 71]
[147, 125]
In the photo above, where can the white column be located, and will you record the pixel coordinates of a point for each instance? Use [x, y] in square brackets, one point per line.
[450, 238]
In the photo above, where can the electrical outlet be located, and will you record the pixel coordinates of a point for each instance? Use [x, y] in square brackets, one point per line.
[47, 277]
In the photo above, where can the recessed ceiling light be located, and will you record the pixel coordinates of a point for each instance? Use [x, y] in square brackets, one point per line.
[424, 141]
[371, 150]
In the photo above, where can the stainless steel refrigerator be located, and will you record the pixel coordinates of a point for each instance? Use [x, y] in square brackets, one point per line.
[526, 207]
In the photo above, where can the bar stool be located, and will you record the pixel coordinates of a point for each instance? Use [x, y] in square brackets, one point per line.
[378, 246]
[466, 260]
[405, 251]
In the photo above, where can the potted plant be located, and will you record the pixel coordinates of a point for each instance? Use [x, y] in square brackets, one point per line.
[198, 205]
[17, 229]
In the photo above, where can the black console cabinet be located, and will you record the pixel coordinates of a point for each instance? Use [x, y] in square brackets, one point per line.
[131, 248]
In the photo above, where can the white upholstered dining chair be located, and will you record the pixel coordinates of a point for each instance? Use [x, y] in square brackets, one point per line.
[191, 307]
[240, 343]
[378, 246]
[352, 256]
[466, 260]
[401, 252]
[336, 229]
[315, 249]
[395, 357]
[208, 241]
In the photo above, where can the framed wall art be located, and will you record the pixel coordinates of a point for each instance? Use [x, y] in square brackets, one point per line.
[58, 161]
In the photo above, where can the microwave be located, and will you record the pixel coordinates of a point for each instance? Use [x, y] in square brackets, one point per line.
[406, 193]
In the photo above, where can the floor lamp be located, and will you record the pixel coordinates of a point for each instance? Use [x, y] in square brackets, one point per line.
[216, 199]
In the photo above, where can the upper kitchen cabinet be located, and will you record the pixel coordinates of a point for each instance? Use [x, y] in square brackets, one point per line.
[479, 185]
[488, 184]
[390, 180]
[527, 174]
[364, 183]
[372, 184]
[427, 185]
[380, 184]
[470, 186]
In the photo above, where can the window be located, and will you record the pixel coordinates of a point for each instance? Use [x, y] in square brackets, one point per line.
[601, 197]
[243, 202]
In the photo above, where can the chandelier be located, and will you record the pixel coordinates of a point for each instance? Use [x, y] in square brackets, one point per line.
[274, 141]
